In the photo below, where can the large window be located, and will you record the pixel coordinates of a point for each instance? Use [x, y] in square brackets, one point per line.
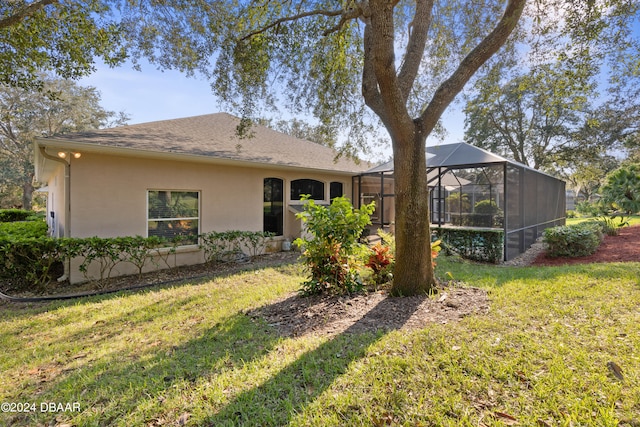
[273, 206]
[300, 187]
[174, 215]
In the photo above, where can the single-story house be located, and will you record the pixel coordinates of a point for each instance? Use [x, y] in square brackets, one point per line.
[119, 181]
[472, 187]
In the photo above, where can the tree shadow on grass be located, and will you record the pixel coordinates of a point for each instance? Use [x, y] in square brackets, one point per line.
[276, 401]
[117, 385]
[136, 387]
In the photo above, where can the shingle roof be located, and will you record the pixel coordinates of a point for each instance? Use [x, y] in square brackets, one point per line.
[213, 136]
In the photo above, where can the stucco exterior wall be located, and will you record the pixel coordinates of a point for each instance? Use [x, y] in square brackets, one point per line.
[109, 197]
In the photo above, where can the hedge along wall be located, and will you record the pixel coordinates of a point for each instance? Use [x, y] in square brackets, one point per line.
[485, 245]
[27, 262]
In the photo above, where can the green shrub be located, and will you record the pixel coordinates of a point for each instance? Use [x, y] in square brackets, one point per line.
[27, 258]
[486, 213]
[473, 244]
[23, 230]
[255, 242]
[589, 209]
[573, 240]
[220, 246]
[27, 264]
[12, 215]
[231, 245]
[330, 252]
[610, 226]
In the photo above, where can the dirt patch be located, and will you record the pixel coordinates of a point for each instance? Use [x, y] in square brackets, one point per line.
[297, 315]
[622, 248]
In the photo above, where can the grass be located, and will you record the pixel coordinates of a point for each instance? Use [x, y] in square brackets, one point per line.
[190, 355]
[633, 220]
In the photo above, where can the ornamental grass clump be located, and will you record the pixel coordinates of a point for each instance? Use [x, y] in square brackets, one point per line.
[330, 251]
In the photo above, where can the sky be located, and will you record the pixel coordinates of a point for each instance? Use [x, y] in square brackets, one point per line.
[151, 95]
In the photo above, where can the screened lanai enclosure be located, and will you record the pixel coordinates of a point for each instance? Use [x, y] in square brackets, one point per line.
[471, 187]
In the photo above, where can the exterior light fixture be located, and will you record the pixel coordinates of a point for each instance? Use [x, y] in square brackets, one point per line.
[63, 155]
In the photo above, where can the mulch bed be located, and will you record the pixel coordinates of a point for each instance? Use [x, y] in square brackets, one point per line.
[297, 315]
[622, 248]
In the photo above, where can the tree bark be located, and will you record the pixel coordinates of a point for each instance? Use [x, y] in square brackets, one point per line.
[413, 269]
[27, 195]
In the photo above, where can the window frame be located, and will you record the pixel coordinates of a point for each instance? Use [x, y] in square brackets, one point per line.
[297, 201]
[197, 218]
[282, 200]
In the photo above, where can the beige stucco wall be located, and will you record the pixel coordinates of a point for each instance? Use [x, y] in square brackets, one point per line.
[109, 197]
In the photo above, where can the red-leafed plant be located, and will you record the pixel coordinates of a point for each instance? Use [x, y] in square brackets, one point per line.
[380, 261]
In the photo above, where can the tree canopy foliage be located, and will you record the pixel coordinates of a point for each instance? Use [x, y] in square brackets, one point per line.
[622, 189]
[63, 106]
[531, 118]
[61, 36]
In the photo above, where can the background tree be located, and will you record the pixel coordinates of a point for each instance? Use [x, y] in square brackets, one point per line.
[531, 118]
[61, 36]
[586, 176]
[63, 107]
[569, 93]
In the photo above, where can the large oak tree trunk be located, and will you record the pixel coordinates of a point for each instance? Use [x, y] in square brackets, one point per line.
[414, 269]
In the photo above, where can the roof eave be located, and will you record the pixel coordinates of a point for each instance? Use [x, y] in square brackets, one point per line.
[61, 144]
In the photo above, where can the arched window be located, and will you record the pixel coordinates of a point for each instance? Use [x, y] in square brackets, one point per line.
[273, 206]
[335, 190]
[299, 187]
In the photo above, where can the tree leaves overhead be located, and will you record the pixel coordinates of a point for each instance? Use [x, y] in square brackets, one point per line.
[301, 56]
[62, 36]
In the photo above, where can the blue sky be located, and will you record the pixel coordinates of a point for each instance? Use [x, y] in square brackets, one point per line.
[151, 95]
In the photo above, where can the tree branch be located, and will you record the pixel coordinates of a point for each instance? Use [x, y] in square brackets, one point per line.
[382, 57]
[24, 12]
[416, 45]
[346, 16]
[318, 12]
[448, 90]
[370, 90]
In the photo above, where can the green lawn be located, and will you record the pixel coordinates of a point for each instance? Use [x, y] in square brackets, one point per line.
[633, 220]
[189, 355]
